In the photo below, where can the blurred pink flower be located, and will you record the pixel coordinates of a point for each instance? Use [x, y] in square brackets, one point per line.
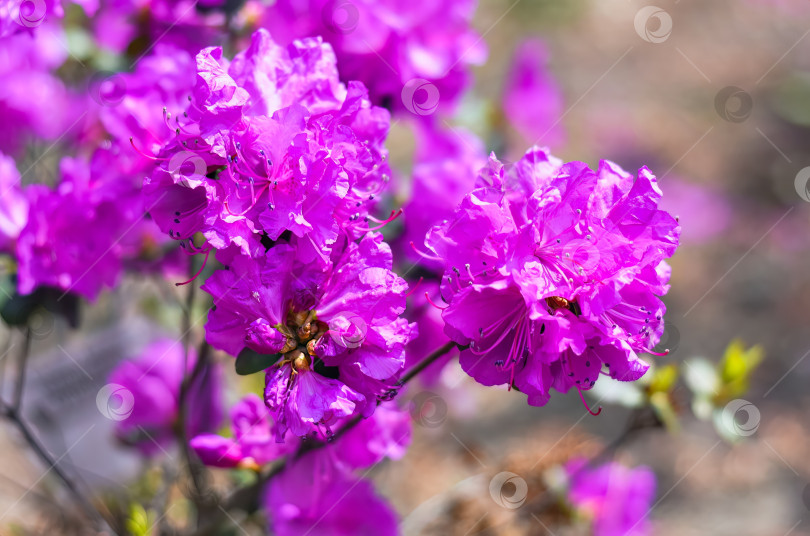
[532, 99]
[616, 498]
[704, 213]
[387, 44]
[152, 380]
[316, 494]
[431, 334]
[446, 165]
[33, 102]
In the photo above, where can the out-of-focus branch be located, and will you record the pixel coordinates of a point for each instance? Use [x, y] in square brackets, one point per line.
[426, 362]
[22, 367]
[12, 412]
[160, 501]
[642, 418]
[196, 470]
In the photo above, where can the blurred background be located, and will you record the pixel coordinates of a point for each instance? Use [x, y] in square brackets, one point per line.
[713, 97]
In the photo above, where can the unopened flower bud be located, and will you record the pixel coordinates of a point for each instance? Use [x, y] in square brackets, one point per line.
[301, 361]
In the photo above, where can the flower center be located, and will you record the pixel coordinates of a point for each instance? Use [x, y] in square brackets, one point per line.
[555, 303]
[303, 331]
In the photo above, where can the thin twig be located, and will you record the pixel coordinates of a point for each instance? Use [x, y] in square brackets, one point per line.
[45, 457]
[22, 366]
[7, 347]
[196, 470]
[161, 499]
[426, 362]
[12, 412]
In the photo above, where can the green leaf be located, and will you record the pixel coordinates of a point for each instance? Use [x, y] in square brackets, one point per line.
[791, 99]
[17, 310]
[138, 522]
[7, 286]
[662, 405]
[738, 363]
[663, 379]
[249, 362]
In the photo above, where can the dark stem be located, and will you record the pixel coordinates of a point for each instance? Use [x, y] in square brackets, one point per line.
[640, 419]
[196, 470]
[22, 367]
[426, 362]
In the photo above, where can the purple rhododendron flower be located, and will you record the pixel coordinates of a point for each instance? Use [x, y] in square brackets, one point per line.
[253, 444]
[93, 196]
[387, 44]
[152, 382]
[99, 194]
[339, 329]
[13, 205]
[316, 494]
[616, 498]
[51, 252]
[256, 131]
[273, 142]
[386, 434]
[554, 271]
[532, 100]
[132, 105]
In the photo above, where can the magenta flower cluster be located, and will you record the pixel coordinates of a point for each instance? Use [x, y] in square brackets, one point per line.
[267, 171]
[553, 274]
